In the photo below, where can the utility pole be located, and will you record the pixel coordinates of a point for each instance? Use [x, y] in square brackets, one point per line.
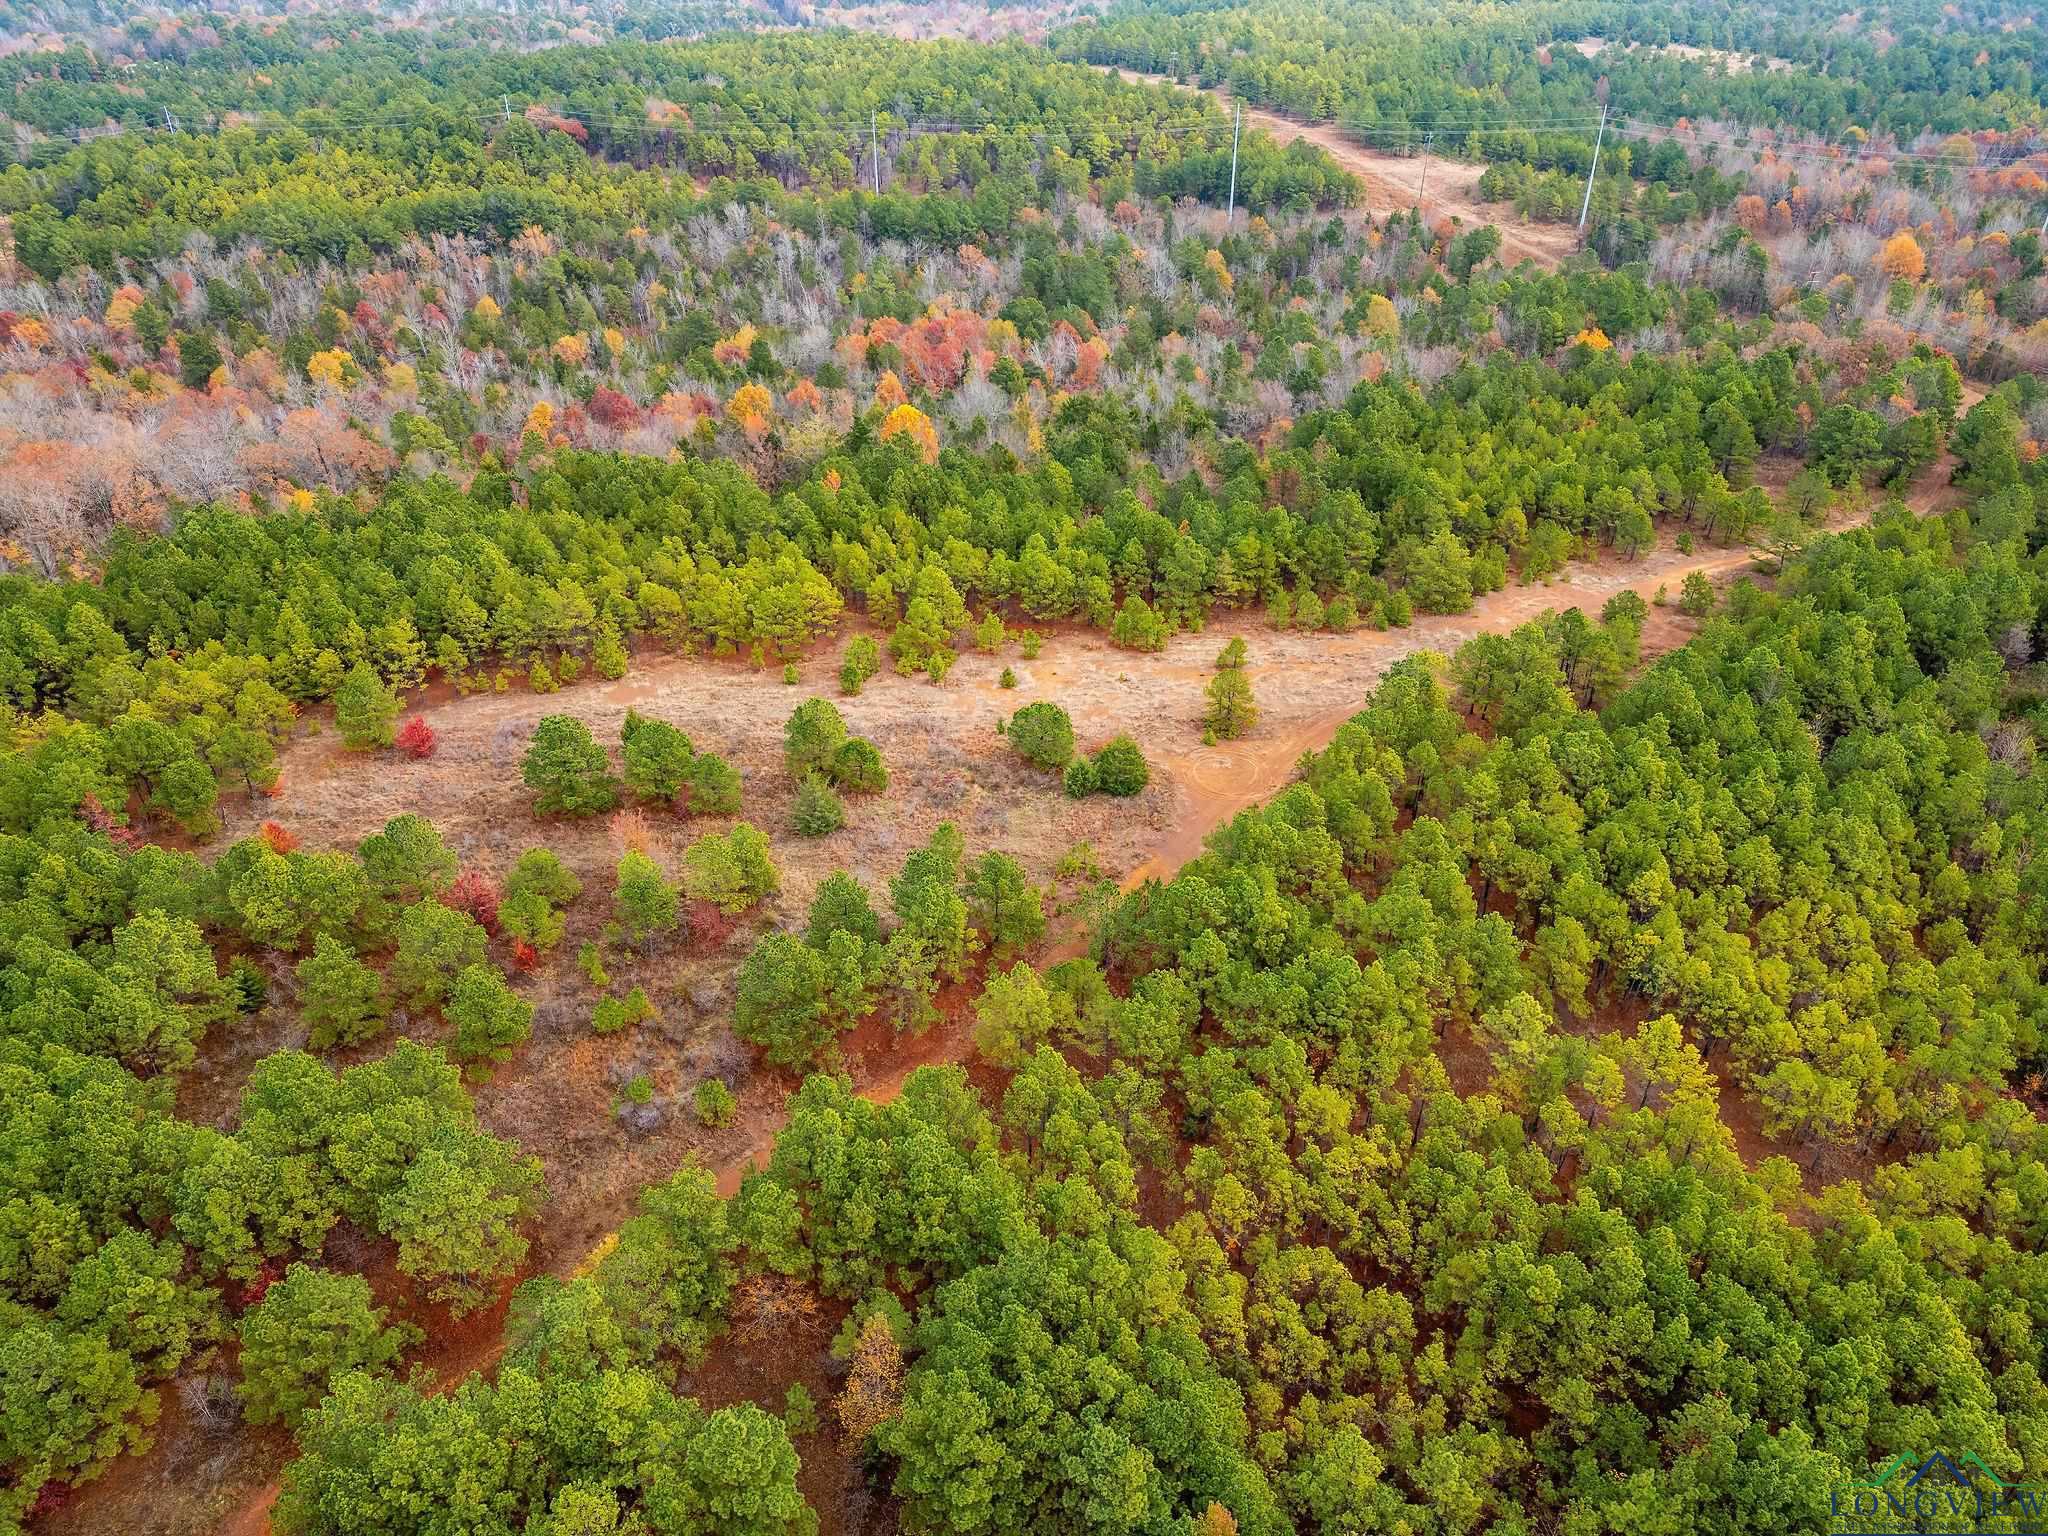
[875, 153]
[1422, 181]
[1236, 127]
[507, 101]
[1586, 203]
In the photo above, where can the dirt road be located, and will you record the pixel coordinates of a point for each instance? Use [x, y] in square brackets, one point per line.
[1441, 187]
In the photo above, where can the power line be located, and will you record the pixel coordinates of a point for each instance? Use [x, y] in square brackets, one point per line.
[720, 112]
[1586, 206]
[725, 117]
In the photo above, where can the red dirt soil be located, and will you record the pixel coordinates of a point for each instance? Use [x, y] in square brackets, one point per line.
[947, 763]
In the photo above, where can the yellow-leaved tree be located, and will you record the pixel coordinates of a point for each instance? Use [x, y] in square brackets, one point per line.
[874, 1382]
[1903, 258]
[908, 421]
[121, 308]
[1381, 318]
[750, 408]
[329, 369]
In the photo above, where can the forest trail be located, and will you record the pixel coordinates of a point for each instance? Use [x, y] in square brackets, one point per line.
[1440, 186]
[1308, 685]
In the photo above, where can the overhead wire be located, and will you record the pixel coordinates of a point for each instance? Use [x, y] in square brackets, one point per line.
[723, 116]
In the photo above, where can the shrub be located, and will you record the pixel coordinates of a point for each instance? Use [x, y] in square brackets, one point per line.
[1696, 595]
[630, 829]
[364, 709]
[1007, 680]
[1232, 655]
[539, 872]
[656, 757]
[1120, 768]
[1028, 643]
[1078, 862]
[613, 1014]
[567, 770]
[715, 1103]
[489, 1017]
[783, 1002]
[789, 677]
[1138, 627]
[812, 738]
[732, 872]
[1231, 711]
[416, 738]
[341, 999]
[590, 961]
[645, 902]
[858, 767]
[608, 651]
[538, 882]
[278, 839]
[309, 1327]
[529, 918]
[1042, 735]
[1079, 779]
[799, 1411]
[248, 986]
[709, 926]
[474, 894]
[714, 786]
[862, 661]
[435, 943]
[818, 810]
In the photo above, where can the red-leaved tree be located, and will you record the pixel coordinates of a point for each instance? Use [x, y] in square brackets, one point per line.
[416, 738]
[474, 893]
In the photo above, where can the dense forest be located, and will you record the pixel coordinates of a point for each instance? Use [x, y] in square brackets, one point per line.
[366, 146]
[772, 491]
[1905, 69]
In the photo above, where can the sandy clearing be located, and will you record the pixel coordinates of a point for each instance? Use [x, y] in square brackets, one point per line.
[1734, 63]
[1442, 188]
